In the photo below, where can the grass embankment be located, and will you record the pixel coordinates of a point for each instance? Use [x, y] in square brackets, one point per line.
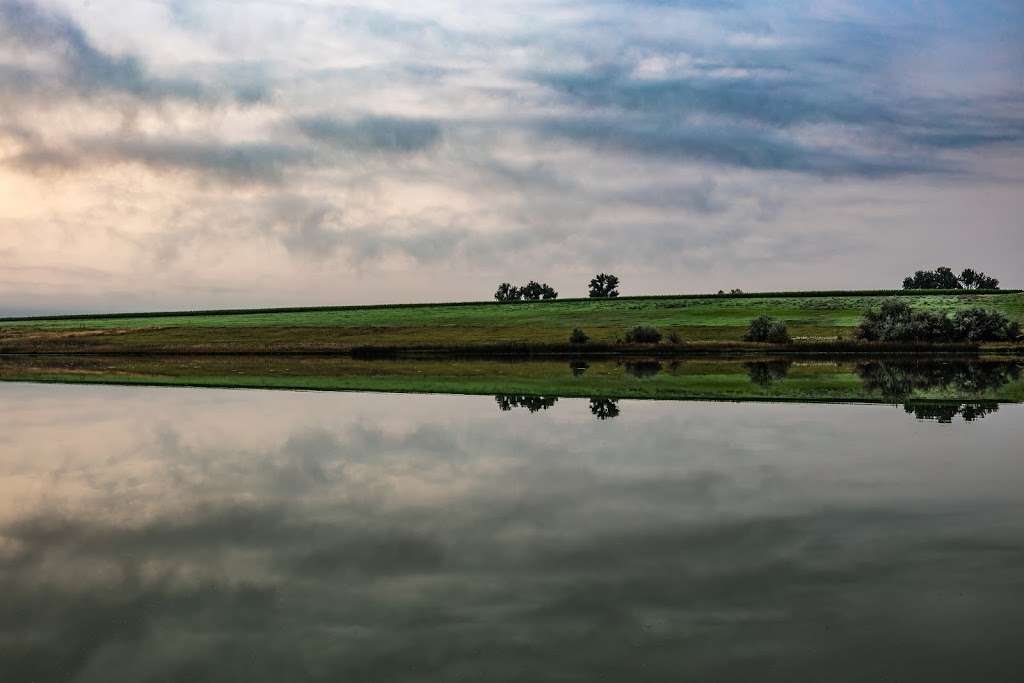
[728, 379]
[703, 322]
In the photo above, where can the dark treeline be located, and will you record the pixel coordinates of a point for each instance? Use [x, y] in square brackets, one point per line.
[943, 277]
[601, 286]
[601, 408]
[507, 402]
[531, 291]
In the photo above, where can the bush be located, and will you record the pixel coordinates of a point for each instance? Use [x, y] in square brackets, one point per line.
[977, 324]
[643, 334]
[674, 338]
[766, 329]
[895, 321]
[578, 336]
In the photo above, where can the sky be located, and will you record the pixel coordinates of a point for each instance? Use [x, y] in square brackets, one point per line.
[179, 154]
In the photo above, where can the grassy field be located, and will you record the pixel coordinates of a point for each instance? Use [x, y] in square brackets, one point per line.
[761, 378]
[697, 319]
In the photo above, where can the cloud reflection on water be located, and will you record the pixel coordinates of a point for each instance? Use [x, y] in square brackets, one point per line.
[151, 534]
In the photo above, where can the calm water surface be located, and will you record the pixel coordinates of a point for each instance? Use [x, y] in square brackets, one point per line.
[154, 534]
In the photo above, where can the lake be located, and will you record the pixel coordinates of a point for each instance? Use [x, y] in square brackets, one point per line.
[200, 534]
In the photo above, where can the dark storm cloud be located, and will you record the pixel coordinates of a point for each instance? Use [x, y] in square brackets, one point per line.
[771, 101]
[372, 133]
[86, 70]
[238, 163]
[320, 231]
[751, 107]
[753, 122]
[739, 146]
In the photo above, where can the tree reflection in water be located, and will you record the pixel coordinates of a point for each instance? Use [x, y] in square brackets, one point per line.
[604, 408]
[898, 380]
[944, 412]
[642, 369]
[507, 402]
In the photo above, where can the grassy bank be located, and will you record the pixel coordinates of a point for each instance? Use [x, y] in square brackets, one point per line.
[764, 378]
[703, 322]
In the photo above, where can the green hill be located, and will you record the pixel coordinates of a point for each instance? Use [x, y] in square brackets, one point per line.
[698, 319]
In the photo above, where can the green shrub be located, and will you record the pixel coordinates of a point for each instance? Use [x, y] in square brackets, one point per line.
[578, 336]
[896, 321]
[766, 329]
[643, 334]
[977, 324]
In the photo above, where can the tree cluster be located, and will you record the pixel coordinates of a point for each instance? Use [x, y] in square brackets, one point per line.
[896, 321]
[944, 278]
[532, 291]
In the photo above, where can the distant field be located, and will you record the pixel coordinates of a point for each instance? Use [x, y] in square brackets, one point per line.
[812, 316]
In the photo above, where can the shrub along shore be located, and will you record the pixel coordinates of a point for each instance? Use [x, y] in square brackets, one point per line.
[812, 322]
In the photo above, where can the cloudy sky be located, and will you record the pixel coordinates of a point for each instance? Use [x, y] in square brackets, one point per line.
[204, 153]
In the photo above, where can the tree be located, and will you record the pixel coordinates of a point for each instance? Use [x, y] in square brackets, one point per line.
[507, 293]
[972, 279]
[535, 291]
[604, 286]
[532, 291]
[578, 336]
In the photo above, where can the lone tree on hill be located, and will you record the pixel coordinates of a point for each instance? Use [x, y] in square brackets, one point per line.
[604, 286]
[943, 277]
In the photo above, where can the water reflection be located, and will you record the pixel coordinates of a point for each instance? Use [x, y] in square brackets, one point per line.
[507, 402]
[642, 369]
[766, 373]
[578, 367]
[899, 379]
[945, 411]
[208, 535]
[604, 408]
